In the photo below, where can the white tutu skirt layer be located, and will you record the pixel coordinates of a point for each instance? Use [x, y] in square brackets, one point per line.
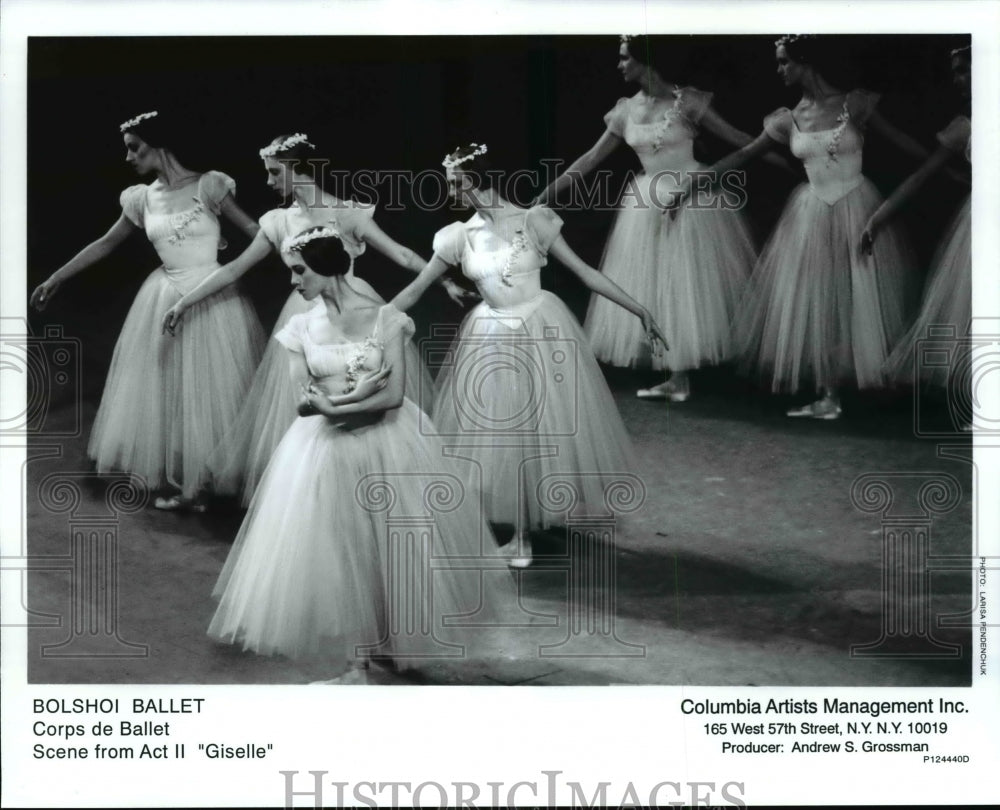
[522, 396]
[236, 465]
[169, 399]
[689, 272]
[946, 308]
[818, 309]
[335, 550]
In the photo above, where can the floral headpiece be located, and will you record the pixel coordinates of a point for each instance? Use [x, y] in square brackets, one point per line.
[791, 39]
[282, 146]
[450, 162]
[134, 122]
[626, 38]
[291, 244]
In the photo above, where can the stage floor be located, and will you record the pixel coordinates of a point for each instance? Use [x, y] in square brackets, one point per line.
[747, 565]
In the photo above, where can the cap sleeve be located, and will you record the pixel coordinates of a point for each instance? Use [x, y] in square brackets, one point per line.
[778, 125]
[543, 226]
[213, 187]
[616, 117]
[861, 104]
[290, 335]
[272, 224]
[133, 203]
[449, 243]
[390, 321]
[956, 135]
[694, 102]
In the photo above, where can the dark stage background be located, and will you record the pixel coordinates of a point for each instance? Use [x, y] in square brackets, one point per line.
[382, 103]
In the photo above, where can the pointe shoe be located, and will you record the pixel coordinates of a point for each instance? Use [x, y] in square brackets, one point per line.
[175, 503]
[520, 550]
[827, 409]
[669, 390]
[355, 676]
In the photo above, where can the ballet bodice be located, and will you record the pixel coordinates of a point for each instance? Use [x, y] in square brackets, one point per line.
[186, 240]
[666, 142]
[504, 262]
[832, 157]
[337, 367]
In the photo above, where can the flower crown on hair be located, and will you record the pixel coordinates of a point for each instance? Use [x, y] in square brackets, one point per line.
[292, 244]
[134, 122]
[791, 39]
[477, 149]
[282, 146]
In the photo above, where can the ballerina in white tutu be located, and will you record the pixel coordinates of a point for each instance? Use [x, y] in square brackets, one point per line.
[315, 569]
[167, 403]
[690, 271]
[948, 292]
[269, 407]
[521, 391]
[817, 309]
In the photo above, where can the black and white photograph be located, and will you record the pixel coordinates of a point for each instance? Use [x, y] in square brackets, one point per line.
[545, 381]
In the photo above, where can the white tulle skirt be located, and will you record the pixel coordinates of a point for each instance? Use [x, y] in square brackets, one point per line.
[169, 399]
[817, 309]
[522, 396]
[238, 462]
[362, 541]
[946, 308]
[689, 272]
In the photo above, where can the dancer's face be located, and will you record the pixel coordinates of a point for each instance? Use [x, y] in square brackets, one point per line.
[459, 186]
[630, 68]
[279, 177]
[139, 154]
[961, 75]
[307, 283]
[788, 69]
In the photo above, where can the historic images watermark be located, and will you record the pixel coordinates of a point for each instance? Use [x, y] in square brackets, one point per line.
[600, 190]
[546, 790]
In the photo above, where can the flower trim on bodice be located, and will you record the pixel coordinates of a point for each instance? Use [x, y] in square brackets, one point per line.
[357, 363]
[664, 123]
[181, 220]
[833, 147]
[519, 245]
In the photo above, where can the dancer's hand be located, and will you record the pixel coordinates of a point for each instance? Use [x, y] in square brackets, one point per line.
[43, 293]
[675, 200]
[868, 237]
[456, 292]
[657, 341]
[314, 401]
[172, 318]
[372, 383]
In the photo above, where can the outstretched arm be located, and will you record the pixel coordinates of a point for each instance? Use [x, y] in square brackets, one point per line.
[721, 128]
[218, 280]
[580, 167]
[907, 144]
[404, 257]
[602, 285]
[432, 271]
[757, 147]
[906, 191]
[231, 211]
[90, 255]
